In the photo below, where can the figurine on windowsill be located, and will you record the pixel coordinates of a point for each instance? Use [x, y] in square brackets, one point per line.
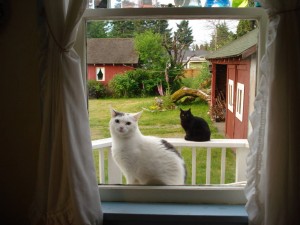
[102, 4]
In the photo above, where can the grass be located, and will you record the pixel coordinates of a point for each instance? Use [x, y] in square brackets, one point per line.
[162, 124]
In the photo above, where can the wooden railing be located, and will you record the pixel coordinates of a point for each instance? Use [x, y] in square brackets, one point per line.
[109, 173]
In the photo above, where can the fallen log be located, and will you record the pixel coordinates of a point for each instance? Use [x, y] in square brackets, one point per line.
[184, 91]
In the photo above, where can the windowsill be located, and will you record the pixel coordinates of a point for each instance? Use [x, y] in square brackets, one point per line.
[207, 194]
[169, 213]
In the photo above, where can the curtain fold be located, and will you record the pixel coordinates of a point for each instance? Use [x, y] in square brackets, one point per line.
[66, 189]
[273, 187]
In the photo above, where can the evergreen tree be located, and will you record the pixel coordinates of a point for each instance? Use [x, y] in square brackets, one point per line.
[122, 29]
[161, 27]
[97, 29]
[221, 36]
[184, 34]
[245, 26]
[176, 47]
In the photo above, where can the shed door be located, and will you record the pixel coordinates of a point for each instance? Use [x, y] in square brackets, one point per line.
[230, 100]
[241, 101]
[237, 99]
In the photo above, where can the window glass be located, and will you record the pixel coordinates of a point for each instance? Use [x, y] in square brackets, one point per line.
[202, 175]
[144, 54]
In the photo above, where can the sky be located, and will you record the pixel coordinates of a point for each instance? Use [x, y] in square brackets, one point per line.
[203, 29]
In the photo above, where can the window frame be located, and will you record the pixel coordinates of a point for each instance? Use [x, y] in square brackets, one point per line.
[212, 194]
[102, 68]
[239, 106]
[230, 95]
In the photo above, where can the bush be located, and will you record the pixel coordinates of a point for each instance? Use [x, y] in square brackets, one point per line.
[200, 81]
[136, 83]
[96, 89]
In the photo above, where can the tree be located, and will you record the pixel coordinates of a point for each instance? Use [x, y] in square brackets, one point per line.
[179, 43]
[121, 29]
[184, 33]
[97, 29]
[161, 27]
[128, 29]
[221, 36]
[151, 53]
[176, 47]
[156, 26]
[245, 26]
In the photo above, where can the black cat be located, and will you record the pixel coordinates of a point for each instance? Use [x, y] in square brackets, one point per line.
[196, 128]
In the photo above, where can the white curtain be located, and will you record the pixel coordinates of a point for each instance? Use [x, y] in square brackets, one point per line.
[66, 190]
[273, 188]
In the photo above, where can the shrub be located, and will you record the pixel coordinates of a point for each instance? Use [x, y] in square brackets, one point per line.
[200, 81]
[96, 89]
[136, 83]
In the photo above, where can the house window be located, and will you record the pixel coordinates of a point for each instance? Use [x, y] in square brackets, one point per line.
[195, 194]
[230, 95]
[100, 74]
[239, 101]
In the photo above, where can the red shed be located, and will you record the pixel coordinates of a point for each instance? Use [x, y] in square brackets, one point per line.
[233, 76]
[107, 57]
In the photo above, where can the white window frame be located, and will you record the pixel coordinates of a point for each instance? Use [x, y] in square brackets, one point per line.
[216, 194]
[230, 95]
[239, 106]
[103, 72]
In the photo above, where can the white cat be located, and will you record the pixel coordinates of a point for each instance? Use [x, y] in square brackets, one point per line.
[144, 160]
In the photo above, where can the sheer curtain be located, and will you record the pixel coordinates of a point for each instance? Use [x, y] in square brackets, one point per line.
[66, 189]
[273, 189]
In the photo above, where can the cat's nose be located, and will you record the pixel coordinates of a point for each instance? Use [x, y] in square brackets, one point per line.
[121, 129]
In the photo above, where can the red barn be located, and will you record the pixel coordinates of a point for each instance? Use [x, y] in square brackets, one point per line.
[107, 57]
[234, 77]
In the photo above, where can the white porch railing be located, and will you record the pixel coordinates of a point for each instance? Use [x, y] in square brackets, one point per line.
[240, 147]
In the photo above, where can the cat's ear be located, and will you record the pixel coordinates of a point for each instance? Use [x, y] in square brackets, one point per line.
[189, 109]
[136, 116]
[180, 109]
[113, 112]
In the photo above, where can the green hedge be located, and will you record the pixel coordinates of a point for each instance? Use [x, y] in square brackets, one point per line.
[96, 89]
[136, 83]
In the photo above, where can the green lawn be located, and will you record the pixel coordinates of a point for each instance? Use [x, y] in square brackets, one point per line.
[162, 124]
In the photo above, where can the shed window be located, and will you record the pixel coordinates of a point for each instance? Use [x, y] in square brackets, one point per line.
[230, 94]
[239, 101]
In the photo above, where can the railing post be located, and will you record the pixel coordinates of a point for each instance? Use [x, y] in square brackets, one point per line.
[194, 166]
[114, 173]
[208, 165]
[223, 165]
[241, 165]
[101, 166]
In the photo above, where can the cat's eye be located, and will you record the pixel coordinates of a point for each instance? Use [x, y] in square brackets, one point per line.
[117, 121]
[128, 123]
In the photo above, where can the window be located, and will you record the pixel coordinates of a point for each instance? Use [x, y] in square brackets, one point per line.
[100, 74]
[189, 194]
[239, 101]
[230, 94]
